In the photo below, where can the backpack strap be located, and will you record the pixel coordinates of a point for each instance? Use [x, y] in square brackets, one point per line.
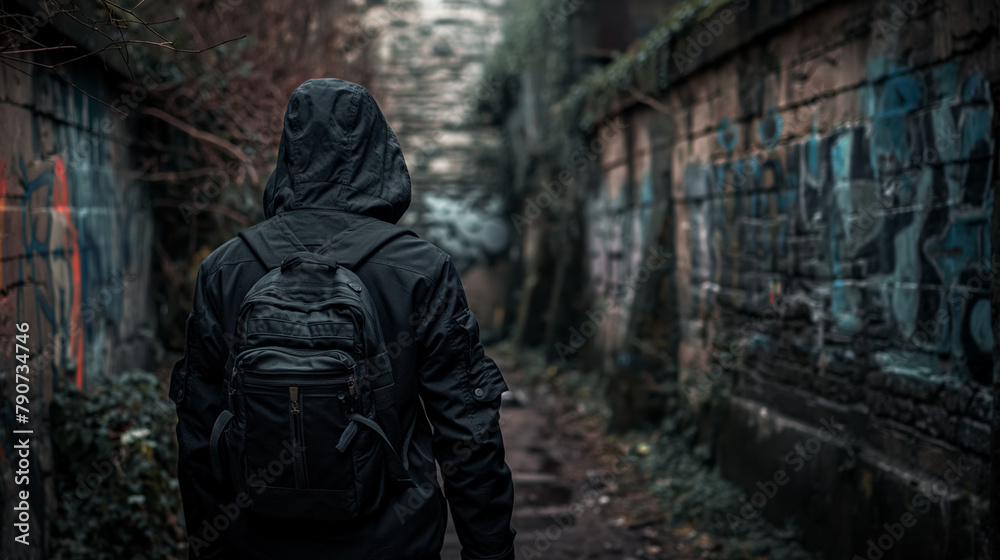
[360, 240]
[350, 248]
[397, 463]
[270, 250]
[220, 425]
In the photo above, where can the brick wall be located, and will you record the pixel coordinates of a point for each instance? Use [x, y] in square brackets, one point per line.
[821, 174]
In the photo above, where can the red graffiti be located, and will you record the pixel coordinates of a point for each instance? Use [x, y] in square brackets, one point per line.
[71, 243]
[5, 303]
[3, 202]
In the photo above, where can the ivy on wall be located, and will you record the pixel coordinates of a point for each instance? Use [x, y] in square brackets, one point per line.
[537, 38]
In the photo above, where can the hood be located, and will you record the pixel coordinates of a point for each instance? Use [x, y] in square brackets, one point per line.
[337, 152]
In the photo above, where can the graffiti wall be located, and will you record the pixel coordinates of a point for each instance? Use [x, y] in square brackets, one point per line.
[74, 253]
[880, 227]
[828, 188]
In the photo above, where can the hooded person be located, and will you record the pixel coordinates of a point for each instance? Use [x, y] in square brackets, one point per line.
[339, 162]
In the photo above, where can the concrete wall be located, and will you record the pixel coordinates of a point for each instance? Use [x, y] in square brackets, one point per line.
[74, 258]
[821, 173]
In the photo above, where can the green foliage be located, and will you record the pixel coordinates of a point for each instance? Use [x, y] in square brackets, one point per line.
[696, 494]
[114, 458]
[643, 67]
[536, 41]
[537, 38]
[530, 34]
[537, 46]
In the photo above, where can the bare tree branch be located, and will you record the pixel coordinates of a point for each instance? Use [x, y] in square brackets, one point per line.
[204, 136]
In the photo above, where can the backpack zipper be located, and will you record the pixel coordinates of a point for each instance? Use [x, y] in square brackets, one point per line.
[252, 380]
[298, 448]
[338, 355]
[348, 296]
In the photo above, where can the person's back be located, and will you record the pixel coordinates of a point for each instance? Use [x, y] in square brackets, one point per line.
[337, 163]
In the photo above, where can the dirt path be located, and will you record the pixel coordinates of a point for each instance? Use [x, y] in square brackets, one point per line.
[575, 498]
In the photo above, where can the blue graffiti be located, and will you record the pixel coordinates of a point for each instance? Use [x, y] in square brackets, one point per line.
[886, 219]
[769, 129]
[729, 135]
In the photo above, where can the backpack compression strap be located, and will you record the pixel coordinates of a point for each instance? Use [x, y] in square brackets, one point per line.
[220, 424]
[352, 247]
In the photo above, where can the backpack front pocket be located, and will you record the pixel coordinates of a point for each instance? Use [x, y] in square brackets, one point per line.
[291, 424]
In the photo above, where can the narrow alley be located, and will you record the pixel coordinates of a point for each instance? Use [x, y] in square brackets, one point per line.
[735, 259]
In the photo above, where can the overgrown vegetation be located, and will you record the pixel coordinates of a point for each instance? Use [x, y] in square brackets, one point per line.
[537, 38]
[681, 472]
[204, 83]
[115, 479]
[211, 122]
[688, 482]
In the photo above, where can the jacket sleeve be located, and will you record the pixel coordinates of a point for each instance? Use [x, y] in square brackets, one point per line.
[461, 388]
[196, 389]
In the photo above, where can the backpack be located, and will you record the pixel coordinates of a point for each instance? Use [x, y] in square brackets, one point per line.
[310, 425]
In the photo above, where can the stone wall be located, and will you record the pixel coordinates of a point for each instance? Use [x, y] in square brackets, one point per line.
[428, 60]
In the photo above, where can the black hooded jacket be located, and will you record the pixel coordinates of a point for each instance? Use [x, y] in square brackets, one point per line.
[339, 159]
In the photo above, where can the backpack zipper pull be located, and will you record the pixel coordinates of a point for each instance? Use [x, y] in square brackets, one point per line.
[350, 385]
[293, 395]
